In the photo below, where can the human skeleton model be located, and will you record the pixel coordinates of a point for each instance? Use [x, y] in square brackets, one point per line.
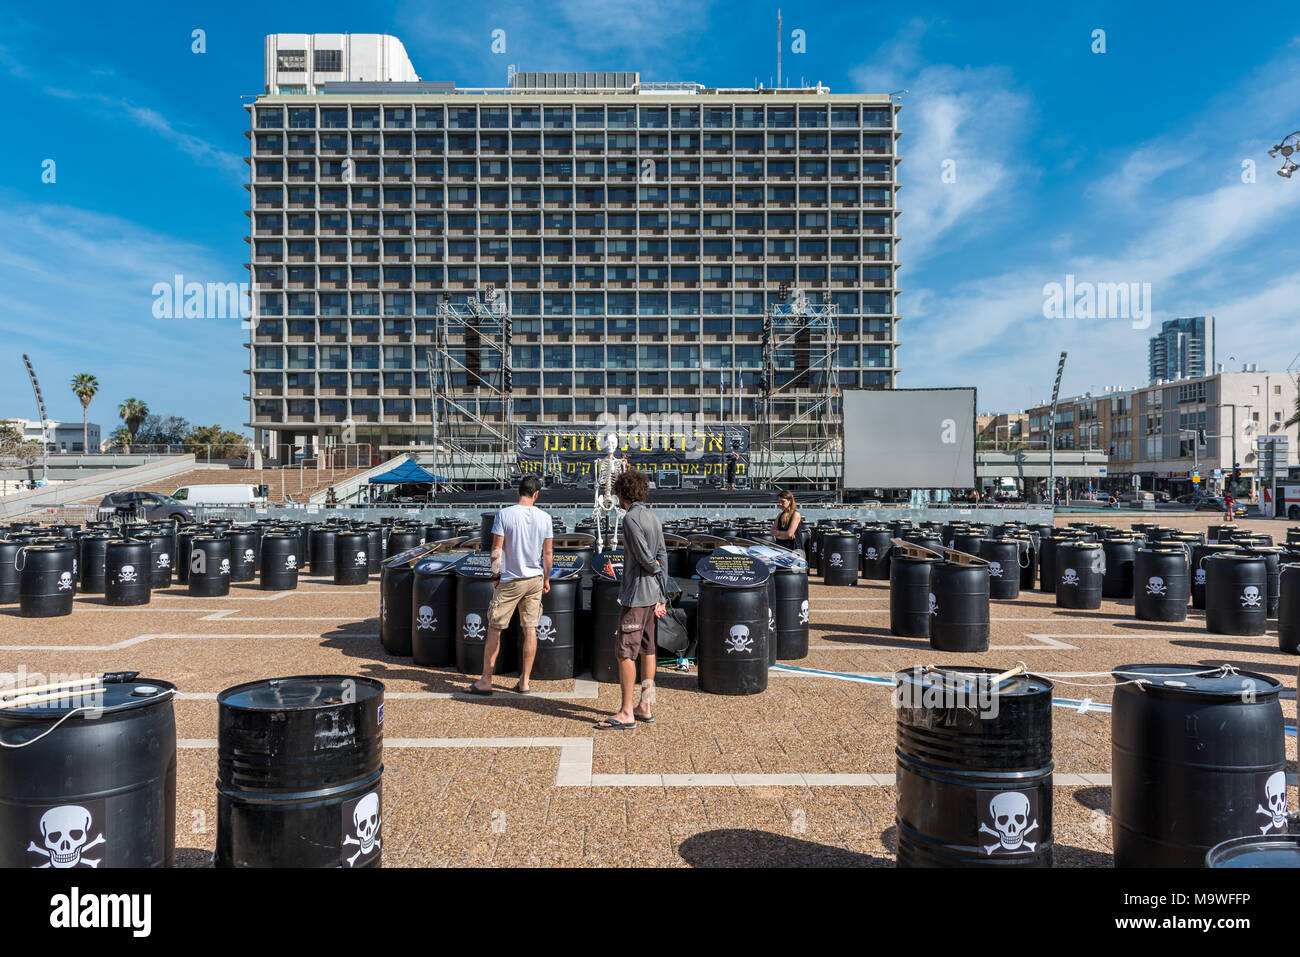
[605, 508]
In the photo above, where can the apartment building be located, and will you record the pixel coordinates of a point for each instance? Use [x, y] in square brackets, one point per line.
[636, 232]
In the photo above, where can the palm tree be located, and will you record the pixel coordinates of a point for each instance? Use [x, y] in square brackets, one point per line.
[1295, 416]
[84, 387]
[133, 412]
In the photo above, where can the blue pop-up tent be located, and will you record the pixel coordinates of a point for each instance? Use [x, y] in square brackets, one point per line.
[406, 473]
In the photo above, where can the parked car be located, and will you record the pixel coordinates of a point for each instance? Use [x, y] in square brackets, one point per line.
[149, 505]
[1215, 504]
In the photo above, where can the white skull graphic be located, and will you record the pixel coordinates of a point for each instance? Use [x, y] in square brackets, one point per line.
[66, 834]
[1156, 585]
[871, 552]
[164, 560]
[249, 556]
[545, 629]
[127, 573]
[1275, 793]
[366, 821]
[739, 639]
[291, 563]
[361, 559]
[1010, 813]
[474, 627]
[1200, 576]
[424, 619]
[225, 567]
[995, 569]
[934, 604]
[803, 612]
[1250, 597]
[837, 561]
[1069, 577]
[65, 581]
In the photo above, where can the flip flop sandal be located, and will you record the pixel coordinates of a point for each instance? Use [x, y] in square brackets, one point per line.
[518, 690]
[649, 720]
[478, 693]
[609, 724]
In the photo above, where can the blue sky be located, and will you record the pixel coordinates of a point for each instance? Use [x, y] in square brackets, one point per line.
[1122, 166]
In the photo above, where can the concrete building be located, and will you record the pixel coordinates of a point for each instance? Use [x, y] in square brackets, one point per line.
[639, 232]
[298, 63]
[998, 430]
[1155, 432]
[63, 436]
[1184, 348]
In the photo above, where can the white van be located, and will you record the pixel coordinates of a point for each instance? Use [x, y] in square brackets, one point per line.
[220, 495]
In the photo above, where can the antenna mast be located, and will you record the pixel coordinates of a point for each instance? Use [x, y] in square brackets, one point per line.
[778, 48]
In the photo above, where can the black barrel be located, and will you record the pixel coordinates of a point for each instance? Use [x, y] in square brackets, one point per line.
[473, 595]
[209, 566]
[351, 558]
[1200, 552]
[556, 656]
[299, 768]
[1161, 584]
[1003, 556]
[1117, 580]
[1196, 759]
[1253, 850]
[181, 556]
[839, 557]
[321, 551]
[733, 633]
[243, 554]
[433, 615]
[1272, 573]
[485, 523]
[1236, 588]
[791, 586]
[401, 539]
[1288, 610]
[909, 595]
[1221, 533]
[46, 587]
[93, 575]
[10, 576]
[1047, 547]
[396, 581]
[127, 564]
[967, 541]
[162, 545]
[1079, 570]
[874, 545]
[376, 542]
[281, 559]
[959, 598]
[98, 790]
[1028, 558]
[605, 611]
[974, 769]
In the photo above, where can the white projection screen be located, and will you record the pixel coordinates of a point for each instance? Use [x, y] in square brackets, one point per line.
[909, 438]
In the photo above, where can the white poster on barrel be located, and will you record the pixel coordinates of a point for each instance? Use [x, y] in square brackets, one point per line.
[909, 438]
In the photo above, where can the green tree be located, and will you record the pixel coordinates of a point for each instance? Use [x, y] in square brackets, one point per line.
[133, 412]
[1295, 414]
[84, 387]
[225, 444]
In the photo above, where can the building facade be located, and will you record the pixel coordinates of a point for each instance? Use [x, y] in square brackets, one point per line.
[62, 437]
[1161, 434]
[1184, 348]
[638, 233]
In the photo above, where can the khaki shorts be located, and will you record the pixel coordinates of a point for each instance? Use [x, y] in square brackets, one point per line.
[636, 632]
[526, 593]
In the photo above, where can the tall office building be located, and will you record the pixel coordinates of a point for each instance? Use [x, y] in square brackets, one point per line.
[1184, 348]
[636, 232]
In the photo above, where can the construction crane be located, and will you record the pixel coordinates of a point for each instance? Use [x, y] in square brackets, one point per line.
[45, 422]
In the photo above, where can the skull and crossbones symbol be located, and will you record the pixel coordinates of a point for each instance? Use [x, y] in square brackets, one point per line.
[291, 563]
[545, 629]
[1275, 794]
[249, 556]
[361, 559]
[127, 573]
[738, 639]
[934, 604]
[225, 566]
[66, 831]
[65, 581]
[1010, 812]
[871, 552]
[164, 560]
[1200, 576]
[837, 561]
[803, 612]
[995, 569]
[474, 627]
[1251, 598]
[1156, 586]
[424, 619]
[1069, 577]
[366, 822]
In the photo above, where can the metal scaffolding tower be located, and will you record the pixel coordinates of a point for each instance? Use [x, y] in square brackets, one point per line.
[470, 382]
[800, 433]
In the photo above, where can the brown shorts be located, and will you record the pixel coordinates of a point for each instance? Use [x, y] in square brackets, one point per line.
[636, 632]
[525, 593]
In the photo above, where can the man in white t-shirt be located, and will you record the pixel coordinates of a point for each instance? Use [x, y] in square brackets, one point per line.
[521, 574]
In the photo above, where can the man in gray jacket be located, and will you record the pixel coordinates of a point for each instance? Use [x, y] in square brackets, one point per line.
[644, 596]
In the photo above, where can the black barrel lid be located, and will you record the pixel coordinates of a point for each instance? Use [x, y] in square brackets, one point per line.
[410, 556]
[732, 570]
[136, 692]
[1192, 680]
[300, 693]
[958, 676]
[566, 565]
[475, 565]
[573, 540]
[608, 565]
[445, 562]
[675, 541]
